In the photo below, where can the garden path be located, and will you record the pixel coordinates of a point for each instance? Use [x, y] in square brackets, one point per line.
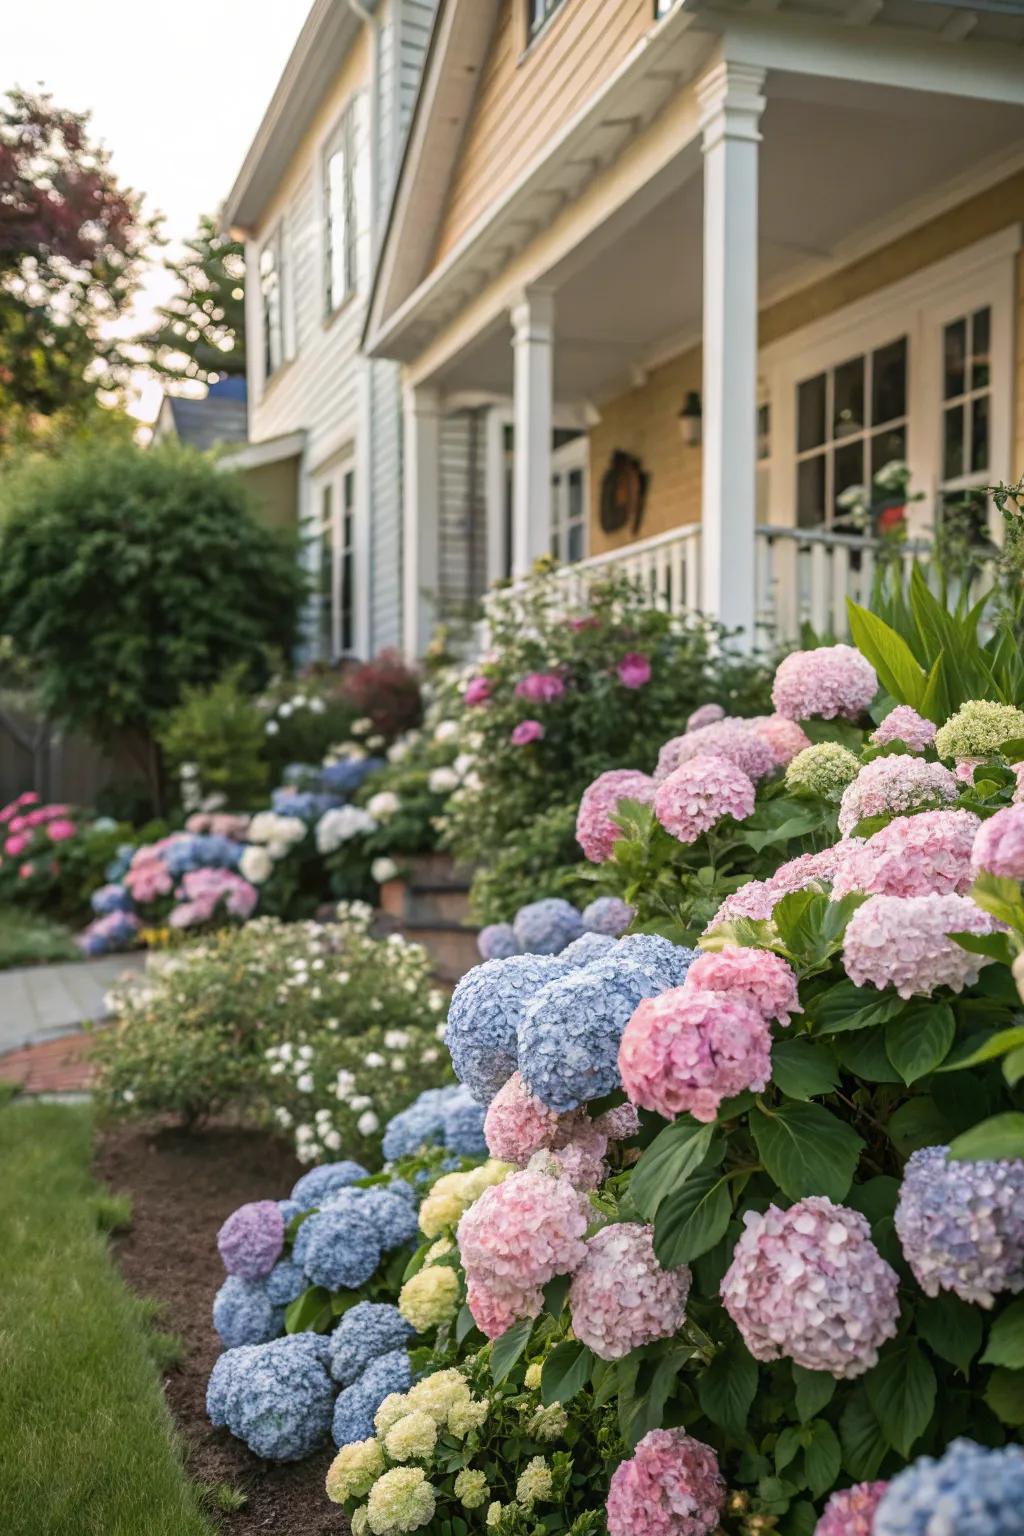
[43, 1009]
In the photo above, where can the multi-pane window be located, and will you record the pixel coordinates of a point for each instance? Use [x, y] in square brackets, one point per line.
[538, 12]
[335, 617]
[967, 419]
[851, 420]
[341, 212]
[346, 565]
[764, 460]
[271, 300]
[568, 498]
[325, 582]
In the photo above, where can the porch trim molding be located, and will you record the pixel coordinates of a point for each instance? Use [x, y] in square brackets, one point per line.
[420, 516]
[533, 334]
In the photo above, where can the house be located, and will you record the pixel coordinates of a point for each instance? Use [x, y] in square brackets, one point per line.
[208, 421]
[686, 275]
[324, 441]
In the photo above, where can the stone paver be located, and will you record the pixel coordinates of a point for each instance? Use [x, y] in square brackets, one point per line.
[41, 1004]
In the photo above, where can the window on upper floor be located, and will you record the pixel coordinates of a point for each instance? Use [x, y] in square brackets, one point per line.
[271, 290]
[538, 11]
[341, 197]
[662, 8]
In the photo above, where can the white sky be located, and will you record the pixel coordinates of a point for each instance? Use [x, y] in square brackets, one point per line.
[176, 93]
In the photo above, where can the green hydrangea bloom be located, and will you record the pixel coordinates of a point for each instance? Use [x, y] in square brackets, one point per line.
[471, 1488]
[548, 1423]
[978, 729]
[823, 770]
[430, 1298]
[413, 1437]
[534, 1481]
[401, 1500]
[354, 1470]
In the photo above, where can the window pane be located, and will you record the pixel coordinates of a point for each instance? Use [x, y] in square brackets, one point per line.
[810, 413]
[810, 492]
[955, 348]
[980, 341]
[848, 398]
[849, 469]
[326, 582]
[979, 433]
[889, 382]
[575, 551]
[953, 443]
[337, 229]
[764, 431]
[888, 446]
[575, 495]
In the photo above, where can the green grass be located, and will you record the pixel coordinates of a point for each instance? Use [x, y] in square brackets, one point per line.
[28, 939]
[86, 1442]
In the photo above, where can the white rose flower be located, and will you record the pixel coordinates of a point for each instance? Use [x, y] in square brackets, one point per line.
[373, 1059]
[304, 1083]
[360, 1101]
[375, 743]
[397, 1063]
[284, 711]
[283, 1116]
[395, 1039]
[383, 869]
[255, 865]
[332, 1141]
[367, 1123]
[271, 728]
[383, 804]
[430, 1054]
[278, 1068]
[442, 781]
[447, 730]
[362, 727]
[306, 1052]
[317, 706]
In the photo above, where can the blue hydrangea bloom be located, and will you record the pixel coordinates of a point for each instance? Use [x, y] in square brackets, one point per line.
[319, 1184]
[394, 1219]
[664, 963]
[367, 1332]
[285, 1283]
[301, 774]
[970, 1490]
[111, 898]
[290, 1209]
[243, 1313]
[497, 941]
[118, 866]
[607, 914]
[278, 1399]
[961, 1225]
[307, 804]
[228, 1371]
[464, 1125]
[420, 1125]
[345, 777]
[356, 1406]
[546, 927]
[486, 1008]
[338, 1247]
[404, 1190]
[587, 948]
[570, 1031]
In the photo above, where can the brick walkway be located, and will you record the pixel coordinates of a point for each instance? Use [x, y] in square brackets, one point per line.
[42, 1011]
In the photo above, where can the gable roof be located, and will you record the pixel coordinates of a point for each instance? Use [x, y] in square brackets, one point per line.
[204, 423]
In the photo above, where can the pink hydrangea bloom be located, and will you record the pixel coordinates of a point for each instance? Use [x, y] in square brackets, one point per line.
[999, 844]
[219, 824]
[762, 979]
[833, 680]
[517, 1125]
[687, 1050]
[852, 1512]
[634, 670]
[519, 1235]
[964, 768]
[759, 898]
[580, 1160]
[785, 737]
[700, 793]
[620, 1296]
[808, 1283]
[901, 942]
[735, 740]
[525, 732]
[203, 891]
[913, 856]
[906, 725]
[620, 1123]
[16, 844]
[477, 691]
[60, 831]
[596, 833]
[670, 1486]
[891, 786]
[540, 687]
[705, 714]
[495, 1310]
[1018, 794]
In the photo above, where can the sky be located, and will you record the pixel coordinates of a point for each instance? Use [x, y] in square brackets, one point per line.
[176, 93]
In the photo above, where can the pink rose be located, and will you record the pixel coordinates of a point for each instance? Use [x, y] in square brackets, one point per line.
[60, 831]
[527, 731]
[634, 670]
[26, 871]
[478, 691]
[16, 844]
[540, 687]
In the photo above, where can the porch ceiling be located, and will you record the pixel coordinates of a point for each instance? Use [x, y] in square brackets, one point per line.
[843, 168]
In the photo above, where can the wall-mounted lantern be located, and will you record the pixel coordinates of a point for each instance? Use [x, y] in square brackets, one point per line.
[690, 420]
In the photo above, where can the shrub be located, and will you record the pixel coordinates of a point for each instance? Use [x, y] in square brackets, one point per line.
[386, 692]
[213, 744]
[303, 717]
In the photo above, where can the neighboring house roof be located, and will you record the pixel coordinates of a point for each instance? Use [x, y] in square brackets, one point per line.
[204, 423]
[327, 36]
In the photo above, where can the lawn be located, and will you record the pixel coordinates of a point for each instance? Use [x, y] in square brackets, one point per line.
[87, 1443]
[27, 939]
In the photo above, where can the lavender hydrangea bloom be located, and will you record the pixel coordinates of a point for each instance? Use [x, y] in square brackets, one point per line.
[394, 1219]
[464, 1124]
[339, 1246]
[251, 1239]
[367, 1332]
[243, 1313]
[486, 1008]
[319, 1184]
[497, 941]
[356, 1406]
[961, 1225]
[586, 949]
[111, 898]
[971, 1490]
[278, 1399]
[546, 927]
[285, 1283]
[607, 914]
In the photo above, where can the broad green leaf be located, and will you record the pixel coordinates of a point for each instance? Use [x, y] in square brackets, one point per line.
[1013, 1066]
[846, 1007]
[951, 1329]
[889, 654]
[799, 1520]
[806, 1150]
[919, 1040]
[863, 1053]
[995, 945]
[1000, 1137]
[692, 1220]
[995, 1045]
[566, 1371]
[901, 1391]
[1005, 1396]
[788, 1447]
[651, 1393]
[814, 1391]
[918, 1123]
[1006, 1341]
[864, 1445]
[464, 1324]
[505, 1351]
[555, 1293]
[803, 1070]
[876, 1198]
[726, 1389]
[1000, 897]
[822, 1457]
[311, 1312]
[667, 1163]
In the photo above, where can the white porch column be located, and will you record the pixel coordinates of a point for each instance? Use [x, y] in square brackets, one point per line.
[533, 325]
[731, 107]
[421, 516]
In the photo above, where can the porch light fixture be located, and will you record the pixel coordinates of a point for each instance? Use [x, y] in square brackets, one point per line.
[690, 420]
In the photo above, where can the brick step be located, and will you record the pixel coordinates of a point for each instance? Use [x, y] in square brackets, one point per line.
[432, 871]
[451, 947]
[424, 903]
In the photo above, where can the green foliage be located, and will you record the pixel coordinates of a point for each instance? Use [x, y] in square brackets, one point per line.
[113, 1212]
[26, 938]
[126, 576]
[542, 860]
[200, 331]
[303, 717]
[217, 733]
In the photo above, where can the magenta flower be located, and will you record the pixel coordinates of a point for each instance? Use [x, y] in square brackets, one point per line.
[687, 1050]
[60, 831]
[16, 844]
[999, 844]
[670, 1486]
[525, 732]
[540, 687]
[634, 670]
[478, 691]
[596, 833]
[26, 871]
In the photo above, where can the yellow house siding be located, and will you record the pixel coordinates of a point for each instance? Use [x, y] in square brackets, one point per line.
[526, 93]
[642, 421]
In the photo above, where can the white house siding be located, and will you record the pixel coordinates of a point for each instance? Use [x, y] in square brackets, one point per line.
[463, 528]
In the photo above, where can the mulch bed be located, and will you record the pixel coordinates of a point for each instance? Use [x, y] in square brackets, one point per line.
[182, 1187]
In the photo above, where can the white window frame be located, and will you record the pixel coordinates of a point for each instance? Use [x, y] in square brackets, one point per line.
[918, 307]
[275, 242]
[340, 481]
[570, 457]
[349, 133]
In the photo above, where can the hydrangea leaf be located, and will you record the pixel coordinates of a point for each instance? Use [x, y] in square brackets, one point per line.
[846, 1007]
[901, 1389]
[1000, 1137]
[952, 1330]
[672, 1156]
[806, 1150]
[822, 1457]
[727, 1388]
[863, 1053]
[814, 1391]
[506, 1350]
[691, 1221]
[310, 1312]
[803, 1070]
[919, 1040]
[861, 1438]
[1006, 1340]
[566, 1371]
[1005, 1395]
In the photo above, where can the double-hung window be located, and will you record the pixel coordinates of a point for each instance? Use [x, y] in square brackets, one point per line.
[271, 278]
[966, 455]
[335, 594]
[538, 12]
[343, 167]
